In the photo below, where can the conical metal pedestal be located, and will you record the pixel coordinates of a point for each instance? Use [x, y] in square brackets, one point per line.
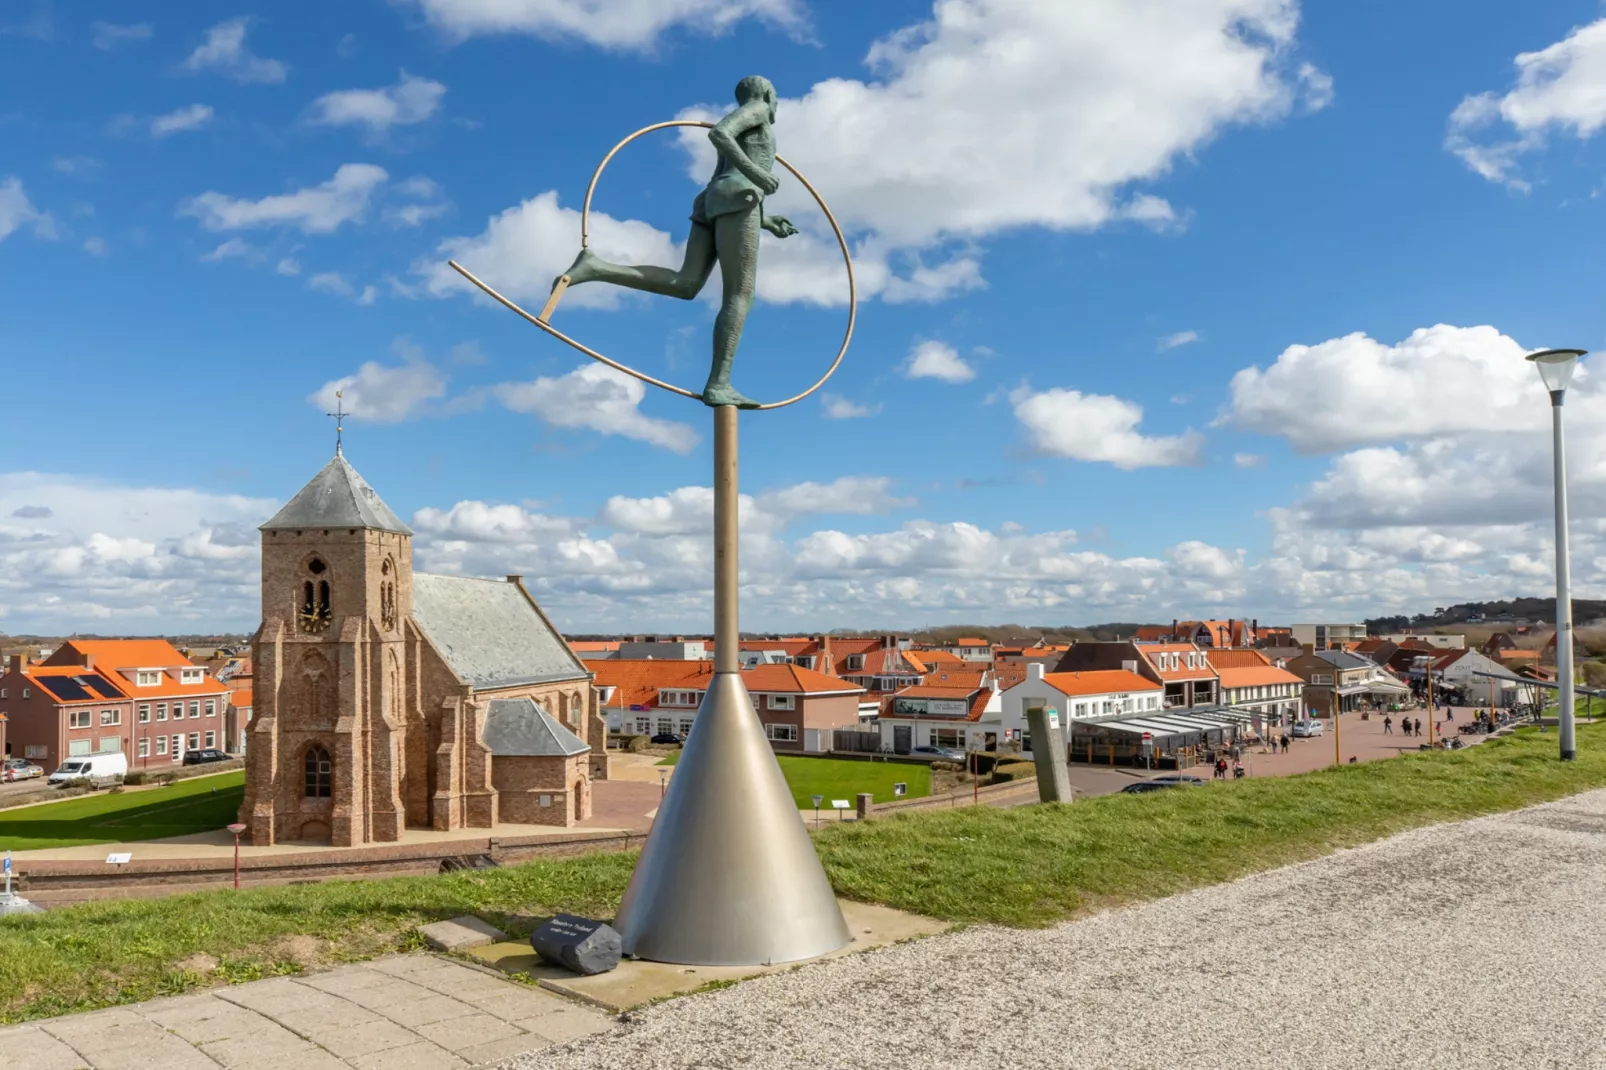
[729, 876]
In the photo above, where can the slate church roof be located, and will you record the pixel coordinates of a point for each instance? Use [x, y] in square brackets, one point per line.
[490, 632]
[337, 497]
[517, 727]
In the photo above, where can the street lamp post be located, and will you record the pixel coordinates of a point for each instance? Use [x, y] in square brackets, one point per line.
[1556, 367]
[236, 829]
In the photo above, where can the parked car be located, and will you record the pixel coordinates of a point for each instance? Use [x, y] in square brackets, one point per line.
[204, 755]
[20, 769]
[1160, 783]
[667, 737]
[1306, 729]
[99, 769]
[938, 754]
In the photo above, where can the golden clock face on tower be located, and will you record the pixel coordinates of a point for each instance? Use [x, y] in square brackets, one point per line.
[314, 619]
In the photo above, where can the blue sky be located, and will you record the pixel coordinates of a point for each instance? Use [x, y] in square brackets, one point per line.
[1168, 307]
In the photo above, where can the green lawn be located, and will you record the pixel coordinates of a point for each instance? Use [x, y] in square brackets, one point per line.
[837, 779]
[1030, 865]
[198, 805]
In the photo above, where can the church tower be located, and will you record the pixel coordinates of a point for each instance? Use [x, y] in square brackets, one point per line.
[336, 675]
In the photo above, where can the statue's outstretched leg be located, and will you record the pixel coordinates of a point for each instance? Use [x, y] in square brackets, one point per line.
[685, 284]
[736, 247]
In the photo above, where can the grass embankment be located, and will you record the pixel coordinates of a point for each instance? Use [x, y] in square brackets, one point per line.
[1022, 866]
[836, 779]
[1037, 865]
[198, 805]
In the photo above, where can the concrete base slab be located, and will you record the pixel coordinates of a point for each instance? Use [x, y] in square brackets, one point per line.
[460, 934]
[636, 982]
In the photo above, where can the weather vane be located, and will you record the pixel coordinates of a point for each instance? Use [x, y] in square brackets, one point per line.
[339, 415]
[728, 875]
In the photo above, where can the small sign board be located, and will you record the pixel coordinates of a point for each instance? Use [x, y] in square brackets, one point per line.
[1053, 718]
[840, 804]
[899, 790]
[113, 859]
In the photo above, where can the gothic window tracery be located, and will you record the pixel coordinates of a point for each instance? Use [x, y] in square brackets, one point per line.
[387, 597]
[315, 614]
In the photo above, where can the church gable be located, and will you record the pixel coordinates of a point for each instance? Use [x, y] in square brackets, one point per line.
[490, 633]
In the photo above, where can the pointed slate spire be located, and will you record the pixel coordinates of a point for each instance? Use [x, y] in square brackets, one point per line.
[337, 497]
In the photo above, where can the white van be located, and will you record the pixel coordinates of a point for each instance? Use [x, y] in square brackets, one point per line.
[99, 769]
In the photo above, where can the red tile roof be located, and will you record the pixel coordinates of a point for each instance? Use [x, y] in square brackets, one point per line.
[53, 680]
[977, 697]
[637, 683]
[1099, 682]
[120, 660]
[240, 699]
[970, 642]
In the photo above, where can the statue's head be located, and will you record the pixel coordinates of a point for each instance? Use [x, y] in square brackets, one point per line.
[756, 87]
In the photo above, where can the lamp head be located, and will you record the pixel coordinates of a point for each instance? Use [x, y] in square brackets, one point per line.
[1556, 367]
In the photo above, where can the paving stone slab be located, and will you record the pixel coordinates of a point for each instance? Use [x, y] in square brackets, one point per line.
[428, 1010]
[207, 1020]
[31, 1047]
[348, 1042]
[420, 1056]
[271, 1051]
[512, 1005]
[495, 1051]
[462, 933]
[566, 1023]
[458, 1033]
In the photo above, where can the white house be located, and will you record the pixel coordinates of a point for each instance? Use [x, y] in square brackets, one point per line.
[1460, 668]
[1089, 695]
[935, 716]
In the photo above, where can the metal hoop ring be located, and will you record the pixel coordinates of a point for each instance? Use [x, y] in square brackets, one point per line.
[585, 235]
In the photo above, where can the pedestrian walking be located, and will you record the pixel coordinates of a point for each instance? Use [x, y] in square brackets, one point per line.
[1285, 742]
[1418, 727]
[1449, 715]
[1388, 726]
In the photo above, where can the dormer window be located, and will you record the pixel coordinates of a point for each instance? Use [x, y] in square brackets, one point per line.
[855, 661]
[191, 676]
[148, 677]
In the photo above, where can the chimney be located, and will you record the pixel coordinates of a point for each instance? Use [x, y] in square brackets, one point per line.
[19, 663]
[1034, 670]
[1130, 666]
[515, 579]
[825, 664]
[1173, 635]
[89, 661]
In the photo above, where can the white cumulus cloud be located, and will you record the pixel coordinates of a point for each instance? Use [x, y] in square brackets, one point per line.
[16, 210]
[1560, 88]
[191, 118]
[937, 360]
[1098, 427]
[595, 396]
[225, 52]
[622, 24]
[385, 393]
[320, 209]
[411, 100]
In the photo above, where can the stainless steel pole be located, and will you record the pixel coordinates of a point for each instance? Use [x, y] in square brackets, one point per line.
[727, 630]
[1564, 599]
[728, 875]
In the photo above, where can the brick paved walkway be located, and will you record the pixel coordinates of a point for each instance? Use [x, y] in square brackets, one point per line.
[399, 1013]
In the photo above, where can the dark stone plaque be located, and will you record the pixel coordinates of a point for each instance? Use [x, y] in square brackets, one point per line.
[578, 944]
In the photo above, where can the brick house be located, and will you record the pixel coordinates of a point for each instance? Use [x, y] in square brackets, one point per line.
[1182, 669]
[376, 689]
[798, 707]
[138, 696]
[1345, 679]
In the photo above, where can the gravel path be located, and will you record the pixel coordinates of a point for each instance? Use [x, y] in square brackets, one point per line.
[1471, 945]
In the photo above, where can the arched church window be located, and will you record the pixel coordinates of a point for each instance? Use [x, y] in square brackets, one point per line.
[318, 776]
[387, 597]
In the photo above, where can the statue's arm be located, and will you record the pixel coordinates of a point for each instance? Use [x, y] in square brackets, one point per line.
[725, 133]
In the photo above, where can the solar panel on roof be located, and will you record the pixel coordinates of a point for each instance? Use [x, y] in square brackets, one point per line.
[99, 682]
[66, 688]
